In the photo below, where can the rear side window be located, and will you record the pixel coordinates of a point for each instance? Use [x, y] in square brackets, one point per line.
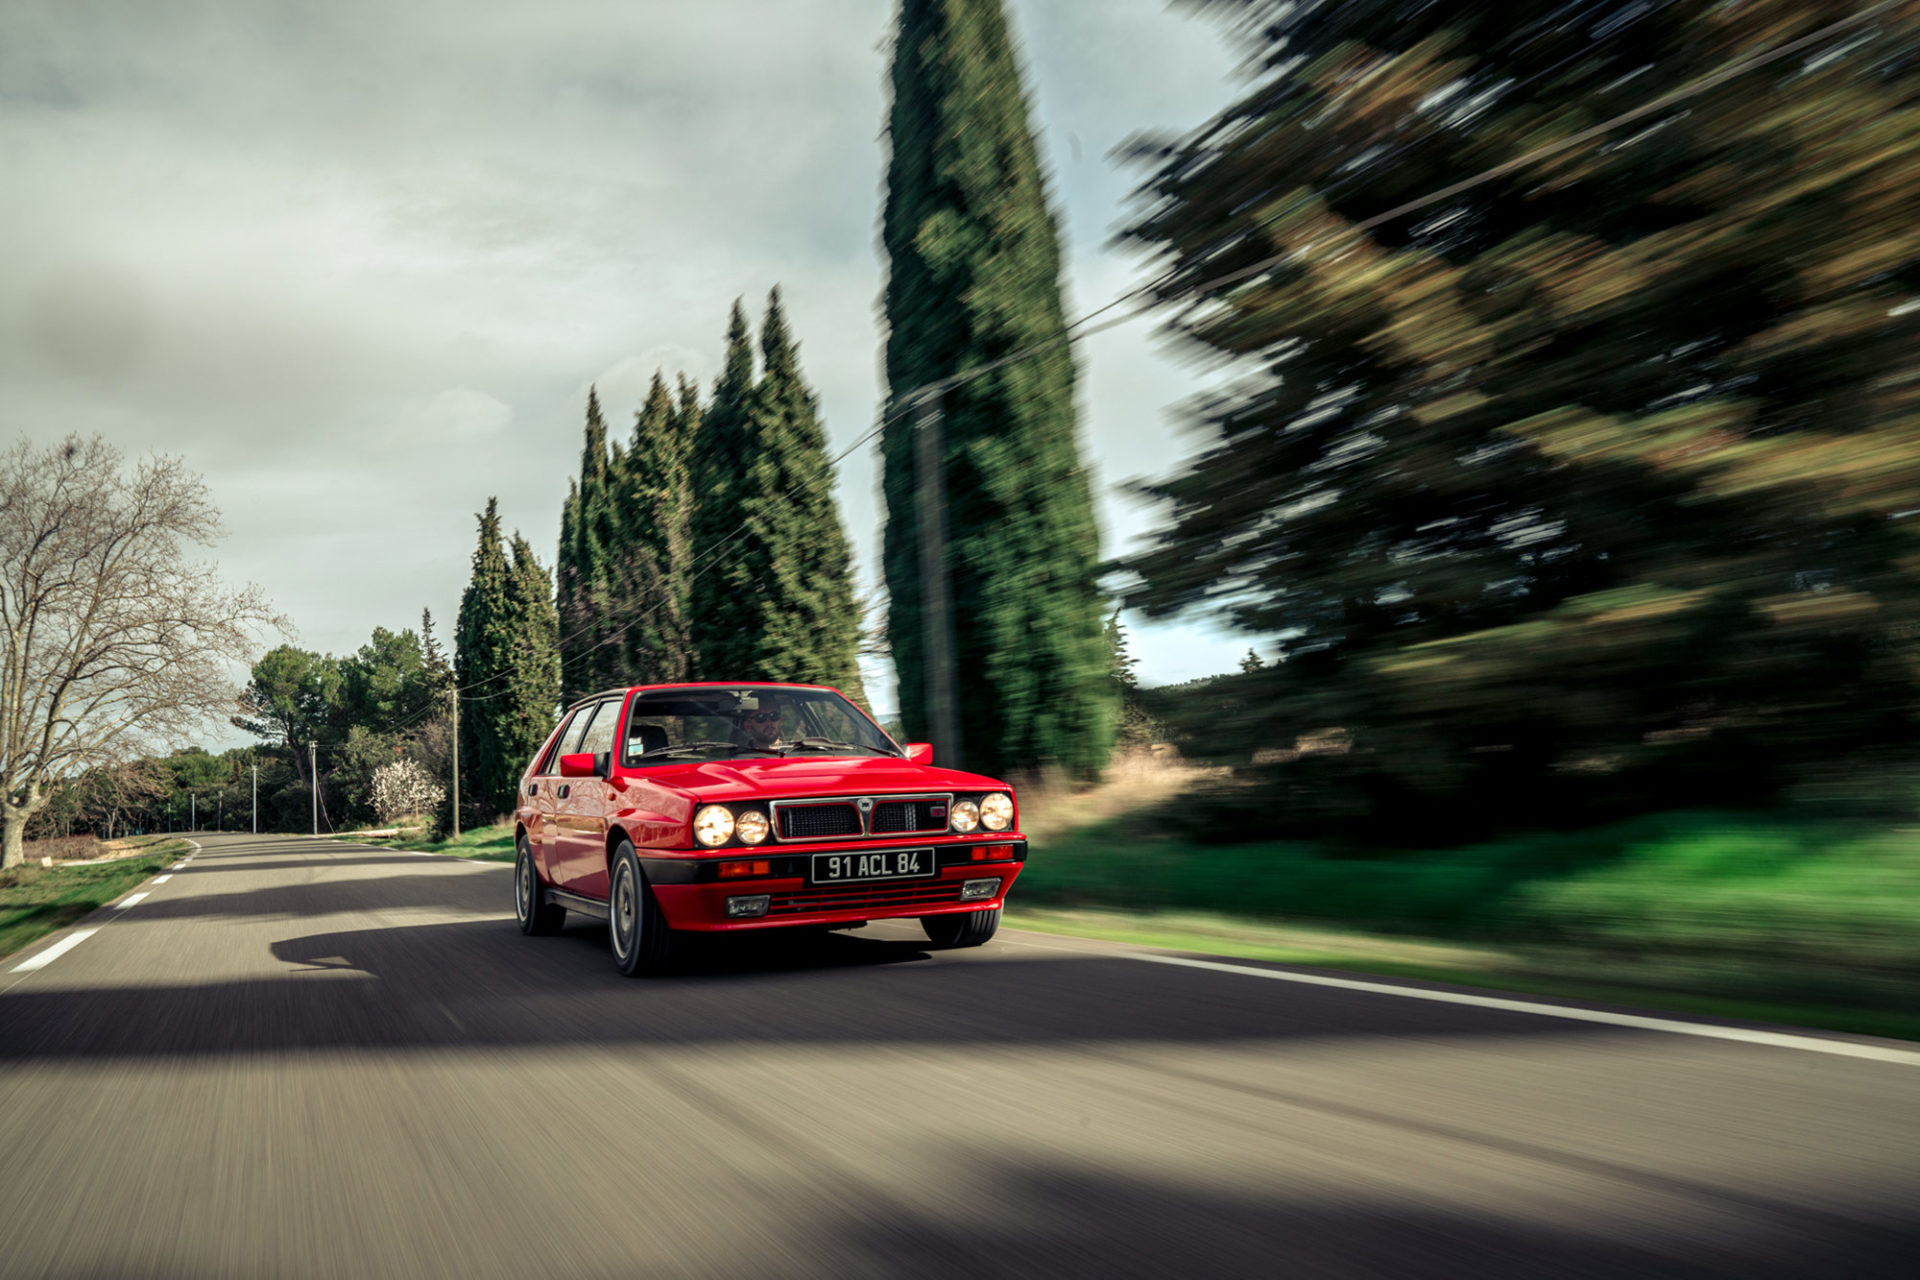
[599, 735]
[550, 761]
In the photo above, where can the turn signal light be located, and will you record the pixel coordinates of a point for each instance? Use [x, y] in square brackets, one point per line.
[735, 870]
[992, 852]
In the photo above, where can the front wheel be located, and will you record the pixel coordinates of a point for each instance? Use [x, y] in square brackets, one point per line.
[968, 930]
[642, 942]
[536, 917]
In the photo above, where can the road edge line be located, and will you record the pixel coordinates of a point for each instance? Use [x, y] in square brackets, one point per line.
[1572, 1013]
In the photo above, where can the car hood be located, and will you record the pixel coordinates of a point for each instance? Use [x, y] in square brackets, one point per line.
[812, 776]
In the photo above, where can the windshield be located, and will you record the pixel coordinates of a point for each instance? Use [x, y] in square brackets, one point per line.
[746, 722]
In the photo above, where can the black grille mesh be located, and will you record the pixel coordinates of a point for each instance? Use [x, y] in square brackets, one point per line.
[893, 816]
[810, 821]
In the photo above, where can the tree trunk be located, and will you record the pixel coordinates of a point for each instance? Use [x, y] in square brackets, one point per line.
[13, 832]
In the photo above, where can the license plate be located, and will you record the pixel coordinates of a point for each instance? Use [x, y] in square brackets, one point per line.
[875, 864]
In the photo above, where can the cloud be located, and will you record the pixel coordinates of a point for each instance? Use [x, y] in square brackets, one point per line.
[357, 262]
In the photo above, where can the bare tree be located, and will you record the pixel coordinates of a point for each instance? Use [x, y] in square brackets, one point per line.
[115, 643]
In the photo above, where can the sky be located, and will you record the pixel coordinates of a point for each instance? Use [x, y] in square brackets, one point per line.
[358, 263]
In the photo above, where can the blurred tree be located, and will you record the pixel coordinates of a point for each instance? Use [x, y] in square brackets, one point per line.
[720, 616]
[1137, 727]
[974, 274]
[1586, 485]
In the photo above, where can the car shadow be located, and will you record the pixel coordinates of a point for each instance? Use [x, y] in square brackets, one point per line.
[480, 984]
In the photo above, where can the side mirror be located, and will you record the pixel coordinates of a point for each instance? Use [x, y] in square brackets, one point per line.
[577, 765]
[920, 753]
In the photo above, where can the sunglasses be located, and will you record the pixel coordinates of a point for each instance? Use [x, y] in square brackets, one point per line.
[762, 717]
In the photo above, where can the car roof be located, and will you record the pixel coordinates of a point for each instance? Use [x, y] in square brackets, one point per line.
[624, 690]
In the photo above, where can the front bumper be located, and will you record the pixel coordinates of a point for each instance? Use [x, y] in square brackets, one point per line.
[693, 897]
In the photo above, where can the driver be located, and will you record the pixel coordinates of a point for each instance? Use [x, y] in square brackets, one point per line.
[759, 727]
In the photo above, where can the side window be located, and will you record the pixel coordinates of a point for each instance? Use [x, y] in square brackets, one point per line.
[599, 735]
[571, 738]
[550, 762]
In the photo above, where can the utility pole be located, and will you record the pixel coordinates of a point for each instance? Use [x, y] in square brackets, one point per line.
[313, 772]
[453, 696]
[193, 812]
[256, 799]
[936, 605]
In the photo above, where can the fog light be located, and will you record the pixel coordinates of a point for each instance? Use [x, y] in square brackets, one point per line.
[974, 890]
[754, 904]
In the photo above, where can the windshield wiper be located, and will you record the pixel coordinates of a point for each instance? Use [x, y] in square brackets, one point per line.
[702, 746]
[833, 744]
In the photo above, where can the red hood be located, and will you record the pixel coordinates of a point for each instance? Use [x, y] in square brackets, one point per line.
[811, 776]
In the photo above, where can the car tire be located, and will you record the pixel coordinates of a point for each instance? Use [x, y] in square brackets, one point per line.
[642, 943]
[969, 930]
[536, 918]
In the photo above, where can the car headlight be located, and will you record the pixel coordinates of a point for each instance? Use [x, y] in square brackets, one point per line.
[750, 826]
[966, 815]
[713, 825]
[996, 812]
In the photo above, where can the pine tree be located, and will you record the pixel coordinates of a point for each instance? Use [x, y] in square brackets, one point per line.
[974, 275]
[720, 617]
[1584, 486]
[651, 565]
[802, 622]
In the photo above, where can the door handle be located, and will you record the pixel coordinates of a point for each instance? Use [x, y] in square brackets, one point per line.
[565, 790]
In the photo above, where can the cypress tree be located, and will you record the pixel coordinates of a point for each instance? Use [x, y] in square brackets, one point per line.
[566, 587]
[530, 694]
[974, 270]
[801, 620]
[591, 658]
[720, 618]
[483, 657]
[657, 501]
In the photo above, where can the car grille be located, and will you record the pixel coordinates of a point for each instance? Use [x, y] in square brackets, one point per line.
[876, 898]
[811, 821]
[894, 817]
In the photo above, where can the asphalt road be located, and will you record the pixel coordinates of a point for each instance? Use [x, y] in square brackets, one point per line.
[299, 1058]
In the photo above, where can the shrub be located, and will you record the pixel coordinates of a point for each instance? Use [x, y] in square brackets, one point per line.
[404, 788]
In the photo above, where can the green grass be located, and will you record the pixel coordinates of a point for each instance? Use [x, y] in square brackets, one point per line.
[1433, 960]
[1763, 913]
[491, 844]
[35, 901]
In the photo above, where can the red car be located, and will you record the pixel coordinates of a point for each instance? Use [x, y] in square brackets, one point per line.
[701, 808]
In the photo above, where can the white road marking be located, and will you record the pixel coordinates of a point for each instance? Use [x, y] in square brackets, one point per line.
[1673, 1026]
[416, 853]
[124, 903]
[163, 879]
[176, 866]
[55, 951]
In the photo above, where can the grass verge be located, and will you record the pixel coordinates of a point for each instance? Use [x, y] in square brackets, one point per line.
[491, 844]
[1773, 919]
[35, 901]
[1437, 960]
